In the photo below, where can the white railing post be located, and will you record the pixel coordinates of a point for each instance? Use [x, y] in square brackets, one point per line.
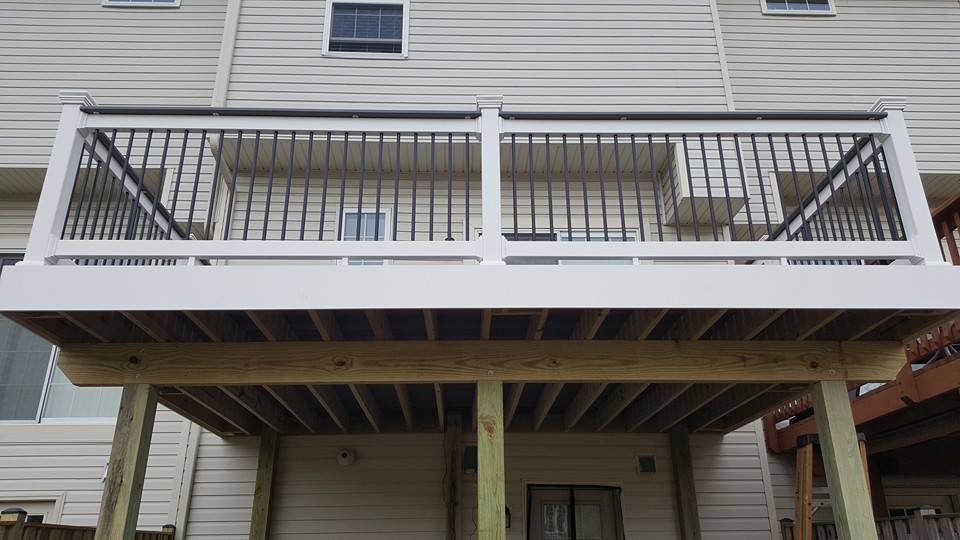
[907, 186]
[491, 243]
[57, 188]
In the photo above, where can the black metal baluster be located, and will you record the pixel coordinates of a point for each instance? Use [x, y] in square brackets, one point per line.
[433, 181]
[760, 182]
[533, 198]
[603, 191]
[91, 150]
[583, 183]
[117, 212]
[228, 221]
[363, 171]
[196, 182]
[250, 184]
[848, 183]
[893, 191]
[414, 173]
[376, 212]
[549, 175]
[657, 198]
[107, 175]
[214, 188]
[449, 186]
[693, 197]
[726, 188]
[513, 183]
[616, 159]
[813, 189]
[156, 198]
[131, 230]
[566, 188]
[743, 186]
[636, 185]
[326, 185]
[706, 177]
[270, 176]
[94, 190]
[396, 191]
[869, 201]
[286, 197]
[835, 199]
[306, 186]
[881, 180]
[343, 187]
[673, 187]
[776, 176]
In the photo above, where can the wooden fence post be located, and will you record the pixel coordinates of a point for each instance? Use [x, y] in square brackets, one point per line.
[11, 523]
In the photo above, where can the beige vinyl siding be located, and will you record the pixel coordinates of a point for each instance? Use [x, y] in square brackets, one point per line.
[16, 218]
[394, 487]
[870, 49]
[68, 460]
[122, 56]
[540, 54]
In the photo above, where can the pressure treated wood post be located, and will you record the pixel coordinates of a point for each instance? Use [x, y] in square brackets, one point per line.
[491, 500]
[120, 504]
[841, 460]
[803, 504]
[453, 472]
[686, 491]
[263, 489]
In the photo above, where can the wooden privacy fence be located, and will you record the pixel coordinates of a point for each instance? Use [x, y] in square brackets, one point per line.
[920, 526]
[13, 526]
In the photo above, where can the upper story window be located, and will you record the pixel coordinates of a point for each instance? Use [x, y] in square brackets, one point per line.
[798, 7]
[371, 27]
[141, 3]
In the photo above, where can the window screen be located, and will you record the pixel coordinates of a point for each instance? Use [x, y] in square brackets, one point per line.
[574, 513]
[372, 28]
[799, 5]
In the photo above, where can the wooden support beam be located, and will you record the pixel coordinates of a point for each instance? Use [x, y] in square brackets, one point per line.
[263, 489]
[368, 404]
[168, 364]
[745, 324]
[430, 324]
[538, 322]
[453, 473]
[725, 404]
[272, 324]
[300, 404]
[491, 498]
[510, 407]
[694, 323]
[545, 403]
[803, 492]
[653, 401]
[379, 324]
[589, 323]
[123, 486]
[684, 485]
[160, 326]
[326, 324]
[486, 320]
[641, 323]
[693, 400]
[222, 405]
[217, 326]
[441, 412]
[403, 396]
[841, 459]
[331, 403]
[915, 433]
[619, 398]
[258, 403]
[585, 398]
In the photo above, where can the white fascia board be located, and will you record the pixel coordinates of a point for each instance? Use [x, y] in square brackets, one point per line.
[88, 288]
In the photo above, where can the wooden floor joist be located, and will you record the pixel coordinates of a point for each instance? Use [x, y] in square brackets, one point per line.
[403, 397]
[537, 324]
[589, 323]
[616, 401]
[693, 400]
[328, 399]
[216, 326]
[300, 404]
[219, 403]
[652, 402]
[272, 324]
[725, 404]
[326, 324]
[513, 400]
[641, 323]
[368, 404]
[545, 403]
[585, 398]
[160, 326]
[694, 323]
[259, 403]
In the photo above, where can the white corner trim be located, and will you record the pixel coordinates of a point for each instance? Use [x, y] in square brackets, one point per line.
[76, 97]
[182, 488]
[775, 532]
[884, 104]
[722, 54]
[227, 46]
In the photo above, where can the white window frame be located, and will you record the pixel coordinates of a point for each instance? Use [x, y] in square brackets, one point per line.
[328, 21]
[139, 4]
[387, 229]
[832, 4]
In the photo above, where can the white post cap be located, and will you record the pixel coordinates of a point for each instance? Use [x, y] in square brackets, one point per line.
[489, 101]
[77, 97]
[889, 104]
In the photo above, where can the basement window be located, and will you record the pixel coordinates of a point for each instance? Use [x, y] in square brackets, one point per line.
[141, 3]
[363, 27]
[798, 7]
